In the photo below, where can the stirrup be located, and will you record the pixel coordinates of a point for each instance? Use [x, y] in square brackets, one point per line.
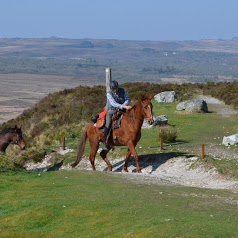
[116, 124]
[105, 147]
[95, 118]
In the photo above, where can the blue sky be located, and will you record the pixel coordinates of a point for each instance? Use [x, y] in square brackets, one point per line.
[120, 19]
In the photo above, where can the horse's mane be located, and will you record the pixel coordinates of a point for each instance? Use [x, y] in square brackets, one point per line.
[135, 105]
[8, 130]
[130, 114]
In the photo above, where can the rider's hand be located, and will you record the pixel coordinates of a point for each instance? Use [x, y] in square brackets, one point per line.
[127, 107]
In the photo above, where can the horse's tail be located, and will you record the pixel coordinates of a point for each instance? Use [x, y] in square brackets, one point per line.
[81, 148]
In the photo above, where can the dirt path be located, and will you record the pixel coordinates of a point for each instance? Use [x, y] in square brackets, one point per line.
[221, 107]
[164, 169]
[161, 168]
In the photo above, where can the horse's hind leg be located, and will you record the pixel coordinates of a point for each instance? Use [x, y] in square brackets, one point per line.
[92, 159]
[128, 155]
[104, 156]
[94, 148]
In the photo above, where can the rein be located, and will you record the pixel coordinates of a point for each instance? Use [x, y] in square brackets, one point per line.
[134, 117]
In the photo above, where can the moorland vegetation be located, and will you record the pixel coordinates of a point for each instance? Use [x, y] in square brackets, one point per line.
[65, 113]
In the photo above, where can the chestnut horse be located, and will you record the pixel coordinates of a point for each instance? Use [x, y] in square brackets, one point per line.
[128, 134]
[11, 136]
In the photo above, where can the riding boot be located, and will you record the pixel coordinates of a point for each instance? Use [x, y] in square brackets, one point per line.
[105, 144]
[94, 118]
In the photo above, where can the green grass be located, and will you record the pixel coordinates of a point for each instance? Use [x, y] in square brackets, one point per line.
[198, 128]
[93, 204]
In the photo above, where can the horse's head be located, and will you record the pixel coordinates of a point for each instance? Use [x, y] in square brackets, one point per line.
[17, 138]
[147, 108]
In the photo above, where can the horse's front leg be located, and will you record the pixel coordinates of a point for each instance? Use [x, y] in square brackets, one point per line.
[134, 153]
[104, 156]
[128, 155]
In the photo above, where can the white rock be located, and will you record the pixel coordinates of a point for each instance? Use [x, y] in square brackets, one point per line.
[230, 140]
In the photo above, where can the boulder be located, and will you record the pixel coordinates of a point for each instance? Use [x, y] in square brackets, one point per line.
[158, 121]
[165, 97]
[230, 140]
[195, 105]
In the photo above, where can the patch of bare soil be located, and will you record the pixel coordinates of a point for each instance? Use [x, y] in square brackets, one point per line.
[221, 108]
[19, 92]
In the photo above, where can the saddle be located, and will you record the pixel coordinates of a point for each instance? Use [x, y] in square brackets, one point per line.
[116, 119]
[101, 119]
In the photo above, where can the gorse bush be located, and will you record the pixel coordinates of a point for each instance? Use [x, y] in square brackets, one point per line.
[6, 164]
[168, 134]
[12, 160]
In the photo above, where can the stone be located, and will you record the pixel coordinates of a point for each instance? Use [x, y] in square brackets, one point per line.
[165, 97]
[230, 140]
[158, 121]
[194, 105]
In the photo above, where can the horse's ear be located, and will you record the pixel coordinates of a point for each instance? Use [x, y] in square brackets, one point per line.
[144, 97]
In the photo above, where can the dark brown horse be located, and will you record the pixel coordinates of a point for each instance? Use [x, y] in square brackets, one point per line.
[11, 136]
[128, 134]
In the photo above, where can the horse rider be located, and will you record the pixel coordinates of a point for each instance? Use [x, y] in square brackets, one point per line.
[117, 98]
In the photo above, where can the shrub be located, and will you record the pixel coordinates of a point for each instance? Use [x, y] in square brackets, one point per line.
[168, 134]
[12, 160]
[6, 164]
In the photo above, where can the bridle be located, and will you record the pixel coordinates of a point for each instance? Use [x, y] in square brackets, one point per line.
[15, 142]
[144, 107]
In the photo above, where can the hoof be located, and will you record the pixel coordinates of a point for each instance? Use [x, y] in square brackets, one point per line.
[126, 170]
[73, 165]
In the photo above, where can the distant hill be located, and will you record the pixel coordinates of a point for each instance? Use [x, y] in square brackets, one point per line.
[148, 61]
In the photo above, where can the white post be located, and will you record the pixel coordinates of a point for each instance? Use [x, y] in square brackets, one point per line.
[108, 79]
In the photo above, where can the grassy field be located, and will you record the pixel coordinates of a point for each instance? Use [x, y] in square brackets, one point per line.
[94, 204]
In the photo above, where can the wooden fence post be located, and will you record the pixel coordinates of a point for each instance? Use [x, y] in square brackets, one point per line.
[64, 143]
[202, 152]
[108, 79]
[161, 144]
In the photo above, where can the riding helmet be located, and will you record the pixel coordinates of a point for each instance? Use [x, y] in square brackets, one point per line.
[114, 84]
